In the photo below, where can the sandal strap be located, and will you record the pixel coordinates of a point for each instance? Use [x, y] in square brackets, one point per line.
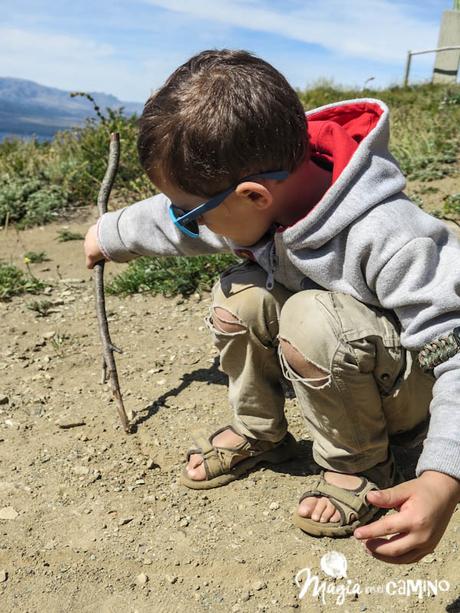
[345, 501]
[217, 460]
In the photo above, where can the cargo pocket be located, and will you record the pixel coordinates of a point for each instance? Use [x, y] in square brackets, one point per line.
[406, 400]
[390, 366]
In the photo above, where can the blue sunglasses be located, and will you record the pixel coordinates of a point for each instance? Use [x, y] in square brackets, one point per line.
[186, 221]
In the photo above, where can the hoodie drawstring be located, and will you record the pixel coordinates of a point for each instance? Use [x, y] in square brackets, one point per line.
[272, 263]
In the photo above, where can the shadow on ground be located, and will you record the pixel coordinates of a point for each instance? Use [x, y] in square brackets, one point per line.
[210, 376]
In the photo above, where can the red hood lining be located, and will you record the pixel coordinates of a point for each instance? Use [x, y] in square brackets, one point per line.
[334, 135]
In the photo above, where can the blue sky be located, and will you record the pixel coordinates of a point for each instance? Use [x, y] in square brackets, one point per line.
[128, 48]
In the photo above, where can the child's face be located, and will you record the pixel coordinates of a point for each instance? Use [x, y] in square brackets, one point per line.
[244, 216]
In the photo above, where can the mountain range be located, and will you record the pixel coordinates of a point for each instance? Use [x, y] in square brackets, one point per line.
[28, 108]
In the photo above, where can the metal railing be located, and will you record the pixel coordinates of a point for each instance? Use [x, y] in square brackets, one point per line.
[411, 53]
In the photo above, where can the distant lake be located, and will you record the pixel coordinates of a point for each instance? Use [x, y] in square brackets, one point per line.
[9, 135]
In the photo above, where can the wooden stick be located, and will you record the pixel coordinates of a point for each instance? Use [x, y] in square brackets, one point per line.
[108, 360]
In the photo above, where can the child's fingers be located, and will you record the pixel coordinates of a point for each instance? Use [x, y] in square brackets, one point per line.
[92, 261]
[393, 524]
[396, 546]
[391, 497]
[407, 558]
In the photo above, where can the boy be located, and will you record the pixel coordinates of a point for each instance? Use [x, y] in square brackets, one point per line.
[344, 282]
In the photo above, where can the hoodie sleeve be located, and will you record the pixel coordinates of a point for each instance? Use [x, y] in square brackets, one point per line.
[421, 283]
[145, 228]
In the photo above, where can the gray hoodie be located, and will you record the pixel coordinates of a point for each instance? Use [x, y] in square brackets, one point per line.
[364, 238]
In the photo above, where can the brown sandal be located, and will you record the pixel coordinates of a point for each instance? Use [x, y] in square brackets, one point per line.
[218, 461]
[348, 502]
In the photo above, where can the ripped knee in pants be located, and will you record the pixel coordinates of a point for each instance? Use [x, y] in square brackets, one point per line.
[226, 322]
[297, 368]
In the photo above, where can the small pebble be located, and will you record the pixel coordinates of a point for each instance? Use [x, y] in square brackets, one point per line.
[8, 513]
[141, 579]
[4, 399]
[125, 520]
[3, 575]
[259, 585]
[171, 579]
[11, 423]
[274, 506]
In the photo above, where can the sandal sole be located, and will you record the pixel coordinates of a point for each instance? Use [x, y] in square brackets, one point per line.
[283, 452]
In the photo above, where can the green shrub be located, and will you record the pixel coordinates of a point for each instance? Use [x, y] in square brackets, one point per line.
[63, 236]
[36, 257]
[88, 147]
[40, 180]
[41, 308]
[14, 281]
[451, 206]
[170, 275]
[29, 202]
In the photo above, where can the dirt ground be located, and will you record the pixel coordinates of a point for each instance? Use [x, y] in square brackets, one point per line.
[94, 520]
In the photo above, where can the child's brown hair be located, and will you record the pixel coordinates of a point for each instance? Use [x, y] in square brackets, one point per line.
[222, 115]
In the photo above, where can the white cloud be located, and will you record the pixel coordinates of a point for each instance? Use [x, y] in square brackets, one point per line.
[373, 29]
[62, 47]
[68, 62]
[361, 38]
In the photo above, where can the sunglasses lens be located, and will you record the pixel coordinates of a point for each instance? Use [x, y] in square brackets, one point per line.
[191, 226]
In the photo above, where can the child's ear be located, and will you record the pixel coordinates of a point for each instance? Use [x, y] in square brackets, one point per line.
[256, 192]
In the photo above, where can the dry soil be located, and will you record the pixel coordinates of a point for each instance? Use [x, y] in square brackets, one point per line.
[94, 520]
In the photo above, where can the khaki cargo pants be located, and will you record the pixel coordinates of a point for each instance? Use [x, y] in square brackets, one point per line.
[372, 387]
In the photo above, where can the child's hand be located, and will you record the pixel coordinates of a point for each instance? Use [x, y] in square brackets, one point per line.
[92, 252]
[425, 506]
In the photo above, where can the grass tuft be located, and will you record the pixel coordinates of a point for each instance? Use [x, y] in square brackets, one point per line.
[63, 236]
[14, 281]
[41, 308]
[170, 275]
[451, 206]
[35, 257]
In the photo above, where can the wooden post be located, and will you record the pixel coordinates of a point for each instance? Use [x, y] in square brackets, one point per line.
[447, 63]
[407, 71]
